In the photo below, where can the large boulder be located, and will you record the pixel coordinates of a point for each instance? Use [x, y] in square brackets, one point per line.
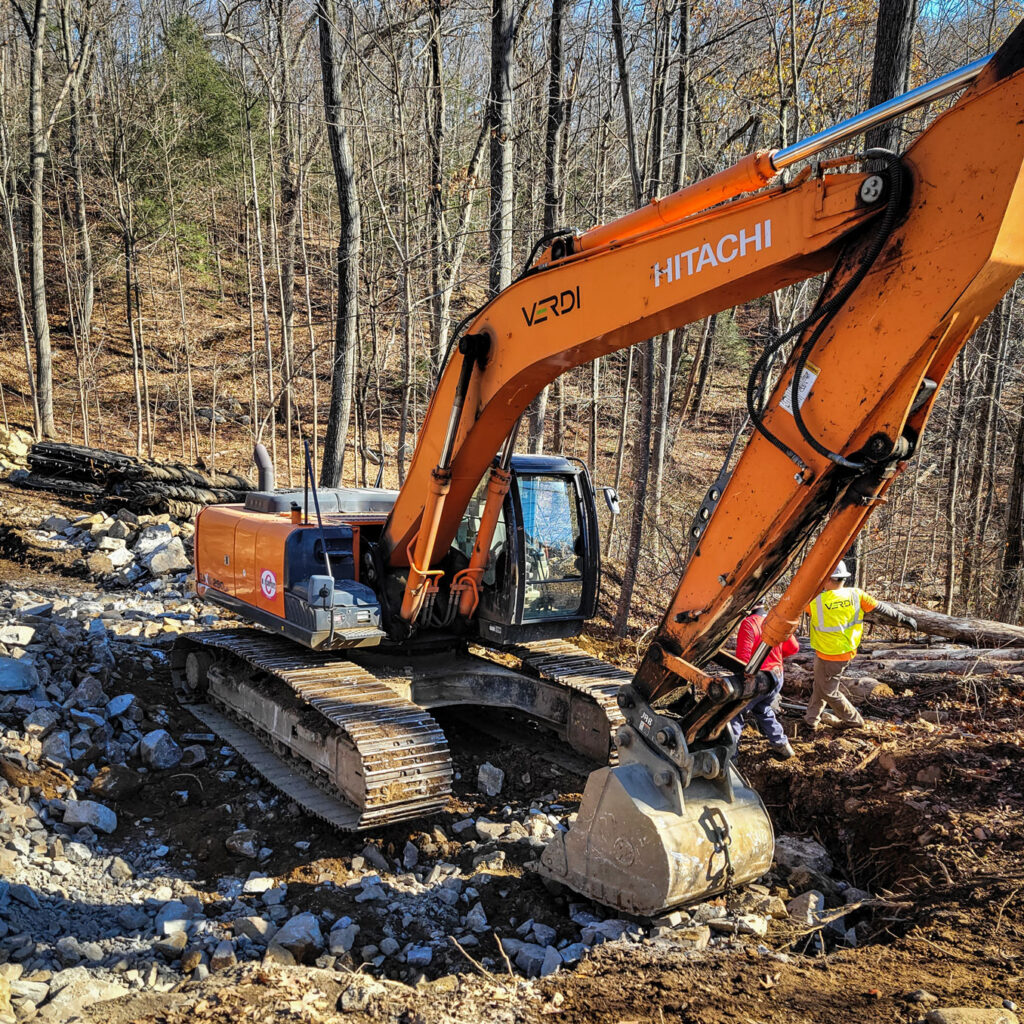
[301, 936]
[17, 675]
[88, 812]
[74, 989]
[151, 539]
[167, 559]
[173, 916]
[57, 748]
[792, 852]
[120, 557]
[158, 750]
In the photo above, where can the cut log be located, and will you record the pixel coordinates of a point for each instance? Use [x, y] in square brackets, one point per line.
[979, 632]
[977, 667]
[942, 654]
[860, 690]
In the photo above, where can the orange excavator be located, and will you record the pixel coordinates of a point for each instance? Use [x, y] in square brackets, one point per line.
[467, 584]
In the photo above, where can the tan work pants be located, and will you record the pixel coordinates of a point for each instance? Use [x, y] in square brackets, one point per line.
[827, 675]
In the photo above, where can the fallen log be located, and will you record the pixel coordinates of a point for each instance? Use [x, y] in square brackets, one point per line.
[860, 690]
[979, 632]
[977, 667]
[942, 654]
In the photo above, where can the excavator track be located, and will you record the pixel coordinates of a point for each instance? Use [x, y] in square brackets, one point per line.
[568, 667]
[389, 759]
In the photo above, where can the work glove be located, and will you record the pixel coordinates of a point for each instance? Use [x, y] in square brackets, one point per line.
[889, 611]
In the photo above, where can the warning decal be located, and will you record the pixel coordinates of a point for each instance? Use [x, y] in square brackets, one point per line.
[808, 376]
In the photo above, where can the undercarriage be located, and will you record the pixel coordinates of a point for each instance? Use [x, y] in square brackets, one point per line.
[353, 741]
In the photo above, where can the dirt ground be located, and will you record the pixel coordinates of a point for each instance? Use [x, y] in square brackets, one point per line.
[926, 812]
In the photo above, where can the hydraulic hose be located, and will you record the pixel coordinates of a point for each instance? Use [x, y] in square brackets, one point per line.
[821, 316]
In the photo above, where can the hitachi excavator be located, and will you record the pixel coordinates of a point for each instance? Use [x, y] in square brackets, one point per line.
[465, 586]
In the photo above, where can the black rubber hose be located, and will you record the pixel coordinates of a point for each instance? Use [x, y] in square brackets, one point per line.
[822, 315]
[888, 222]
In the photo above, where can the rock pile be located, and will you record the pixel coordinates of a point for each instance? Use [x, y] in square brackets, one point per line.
[123, 549]
[14, 448]
[88, 913]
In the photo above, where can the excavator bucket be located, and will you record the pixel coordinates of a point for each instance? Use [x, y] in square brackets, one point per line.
[644, 844]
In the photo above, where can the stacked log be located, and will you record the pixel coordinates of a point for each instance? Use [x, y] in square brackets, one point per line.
[145, 486]
[982, 648]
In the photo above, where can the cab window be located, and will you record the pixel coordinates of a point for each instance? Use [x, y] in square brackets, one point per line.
[552, 546]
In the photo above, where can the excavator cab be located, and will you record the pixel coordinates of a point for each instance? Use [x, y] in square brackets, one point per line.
[543, 570]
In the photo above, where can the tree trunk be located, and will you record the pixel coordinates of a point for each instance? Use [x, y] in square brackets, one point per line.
[641, 464]
[315, 397]
[983, 439]
[7, 200]
[552, 187]
[1011, 580]
[952, 488]
[500, 107]
[661, 382]
[682, 96]
[291, 197]
[642, 446]
[81, 224]
[595, 394]
[890, 73]
[38, 144]
[627, 103]
[437, 228]
[345, 336]
[977, 632]
[268, 349]
[704, 380]
[129, 248]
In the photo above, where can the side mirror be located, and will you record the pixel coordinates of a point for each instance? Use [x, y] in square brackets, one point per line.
[611, 499]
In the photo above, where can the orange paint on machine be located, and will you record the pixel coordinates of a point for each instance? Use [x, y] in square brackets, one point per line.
[484, 549]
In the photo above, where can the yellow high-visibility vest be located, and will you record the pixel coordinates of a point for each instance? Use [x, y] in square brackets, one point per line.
[837, 622]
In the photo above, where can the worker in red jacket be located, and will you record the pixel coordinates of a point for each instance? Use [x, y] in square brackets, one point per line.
[762, 710]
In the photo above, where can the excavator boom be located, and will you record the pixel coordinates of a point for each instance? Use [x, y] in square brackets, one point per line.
[845, 415]
[920, 249]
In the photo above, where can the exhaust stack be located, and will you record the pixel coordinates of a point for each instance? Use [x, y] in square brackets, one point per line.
[265, 468]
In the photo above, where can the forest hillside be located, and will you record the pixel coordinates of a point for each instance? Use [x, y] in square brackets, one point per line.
[212, 212]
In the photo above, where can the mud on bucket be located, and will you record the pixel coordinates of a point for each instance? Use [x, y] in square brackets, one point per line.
[644, 848]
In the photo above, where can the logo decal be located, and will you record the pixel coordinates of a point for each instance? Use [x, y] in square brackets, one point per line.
[552, 305]
[268, 584]
[713, 253]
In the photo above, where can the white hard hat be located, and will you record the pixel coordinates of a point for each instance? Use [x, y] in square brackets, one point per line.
[841, 572]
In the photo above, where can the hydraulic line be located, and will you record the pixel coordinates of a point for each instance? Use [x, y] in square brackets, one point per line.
[888, 222]
[821, 316]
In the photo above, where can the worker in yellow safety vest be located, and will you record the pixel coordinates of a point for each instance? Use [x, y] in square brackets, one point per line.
[837, 624]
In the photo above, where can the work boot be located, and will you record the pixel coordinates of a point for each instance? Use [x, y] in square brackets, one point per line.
[808, 730]
[855, 725]
[782, 751]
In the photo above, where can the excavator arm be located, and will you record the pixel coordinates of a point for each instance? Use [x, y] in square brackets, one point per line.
[919, 251]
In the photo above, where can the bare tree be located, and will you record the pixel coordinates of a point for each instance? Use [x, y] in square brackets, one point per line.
[553, 196]
[345, 337]
[499, 105]
[890, 72]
